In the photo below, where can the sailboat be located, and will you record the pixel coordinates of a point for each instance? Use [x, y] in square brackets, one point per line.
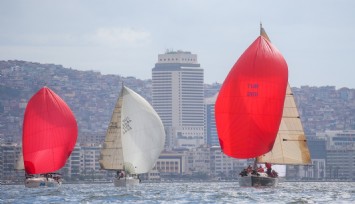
[49, 135]
[134, 139]
[256, 114]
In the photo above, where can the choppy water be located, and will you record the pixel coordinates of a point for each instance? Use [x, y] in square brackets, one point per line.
[204, 192]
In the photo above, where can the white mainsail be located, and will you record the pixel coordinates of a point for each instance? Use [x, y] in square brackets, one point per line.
[290, 146]
[135, 137]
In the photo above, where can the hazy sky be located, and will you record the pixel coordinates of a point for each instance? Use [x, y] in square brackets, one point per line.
[316, 37]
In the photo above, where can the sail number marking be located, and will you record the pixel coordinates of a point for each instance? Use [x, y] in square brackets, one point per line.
[126, 125]
[253, 90]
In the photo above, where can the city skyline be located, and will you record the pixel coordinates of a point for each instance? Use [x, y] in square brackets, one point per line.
[92, 95]
[125, 38]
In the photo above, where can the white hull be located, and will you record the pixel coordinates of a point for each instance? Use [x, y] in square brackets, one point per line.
[126, 182]
[257, 181]
[37, 182]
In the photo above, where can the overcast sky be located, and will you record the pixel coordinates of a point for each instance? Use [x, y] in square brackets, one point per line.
[316, 37]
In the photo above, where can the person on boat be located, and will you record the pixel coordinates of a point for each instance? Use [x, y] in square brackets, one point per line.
[243, 173]
[261, 169]
[59, 177]
[268, 168]
[28, 175]
[255, 172]
[274, 174]
[249, 169]
[118, 174]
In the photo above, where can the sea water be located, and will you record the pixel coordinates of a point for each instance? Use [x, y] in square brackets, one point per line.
[189, 192]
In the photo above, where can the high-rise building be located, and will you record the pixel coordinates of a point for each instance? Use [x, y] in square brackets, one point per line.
[340, 156]
[210, 122]
[178, 98]
[9, 154]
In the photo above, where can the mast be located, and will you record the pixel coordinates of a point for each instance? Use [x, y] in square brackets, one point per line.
[263, 33]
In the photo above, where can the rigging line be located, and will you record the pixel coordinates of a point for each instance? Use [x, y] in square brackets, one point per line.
[293, 130]
[293, 140]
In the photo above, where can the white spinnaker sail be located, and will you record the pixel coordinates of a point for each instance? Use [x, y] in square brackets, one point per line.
[290, 146]
[111, 156]
[143, 135]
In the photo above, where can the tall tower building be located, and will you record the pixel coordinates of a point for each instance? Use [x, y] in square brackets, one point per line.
[178, 98]
[210, 122]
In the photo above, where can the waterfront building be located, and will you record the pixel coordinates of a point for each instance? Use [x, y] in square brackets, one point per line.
[210, 122]
[198, 161]
[90, 168]
[178, 98]
[317, 148]
[338, 138]
[340, 156]
[341, 164]
[223, 166]
[71, 170]
[171, 163]
[9, 154]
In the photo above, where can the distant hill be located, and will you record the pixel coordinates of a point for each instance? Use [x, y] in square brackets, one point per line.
[9, 92]
[90, 95]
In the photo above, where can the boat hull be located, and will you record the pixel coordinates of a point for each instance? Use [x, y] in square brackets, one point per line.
[257, 181]
[126, 182]
[42, 182]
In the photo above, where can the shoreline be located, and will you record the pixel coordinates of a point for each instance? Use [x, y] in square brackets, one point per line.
[194, 181]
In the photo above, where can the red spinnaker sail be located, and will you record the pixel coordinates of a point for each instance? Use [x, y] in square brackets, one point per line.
[49, 133]
[249, 106]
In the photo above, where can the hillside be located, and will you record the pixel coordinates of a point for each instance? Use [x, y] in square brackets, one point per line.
[90, 95]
